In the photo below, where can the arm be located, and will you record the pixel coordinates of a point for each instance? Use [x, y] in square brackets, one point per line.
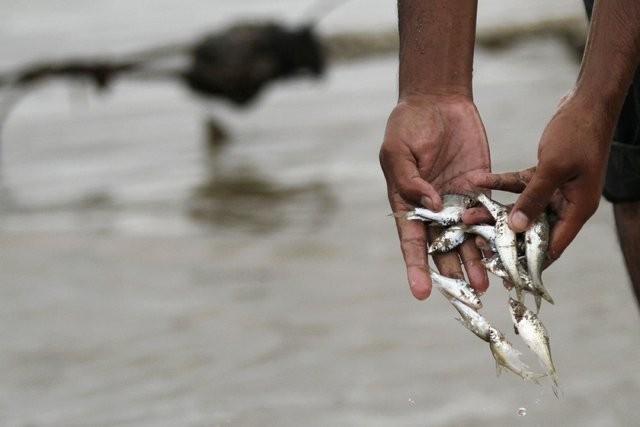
[434, 137]
[574, 147]
[436, 46]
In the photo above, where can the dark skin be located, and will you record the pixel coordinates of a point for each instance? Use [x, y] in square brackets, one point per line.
[433, 144]
[568, 179]
[435, 141]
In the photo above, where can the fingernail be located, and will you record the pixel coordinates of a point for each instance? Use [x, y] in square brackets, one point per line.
[519, 221]
[426, 202]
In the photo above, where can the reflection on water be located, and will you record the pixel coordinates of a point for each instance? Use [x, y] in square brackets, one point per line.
[238, 198]
[243, 198]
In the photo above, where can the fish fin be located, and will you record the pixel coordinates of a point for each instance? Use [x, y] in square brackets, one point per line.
[409, 215]
[462, 322]
[499, 369]
[515, 329]
[401, 214]
[544, 294]
[538, 299]
[532, 376]
[555, 384]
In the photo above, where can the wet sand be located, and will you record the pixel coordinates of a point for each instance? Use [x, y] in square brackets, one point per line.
[143, 283]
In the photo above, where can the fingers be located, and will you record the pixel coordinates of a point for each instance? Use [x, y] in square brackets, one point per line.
[403, 177]
[514, 182]
[472, 260]
[484, 246]
[560, 237]
[567, 227]
[477, 215]
[412, 187]
[533, 201]
[413, 243]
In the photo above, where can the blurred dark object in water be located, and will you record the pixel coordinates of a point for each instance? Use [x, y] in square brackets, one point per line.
[237, 63]
[242, 198]
[234, 64]
[216, 136]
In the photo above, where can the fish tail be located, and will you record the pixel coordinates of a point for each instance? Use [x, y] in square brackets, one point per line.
[544, 294]
[406, 215]
[555, 384]
[542, 291]
[401, 214]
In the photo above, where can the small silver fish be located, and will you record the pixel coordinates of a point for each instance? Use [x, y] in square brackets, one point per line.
[453, 206]
[471, 319]
[457, 288]
[487, 232]
[508, 357]
[505, 239]
[448, 240]
[494, 208]
[535, 335]
[494, 266]
[536, 245]
[527, 286]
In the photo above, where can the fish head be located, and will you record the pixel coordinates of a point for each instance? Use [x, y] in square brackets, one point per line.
[494, 334]
[457, 199]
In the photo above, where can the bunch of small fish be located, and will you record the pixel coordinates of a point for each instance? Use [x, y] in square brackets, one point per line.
[518, 258]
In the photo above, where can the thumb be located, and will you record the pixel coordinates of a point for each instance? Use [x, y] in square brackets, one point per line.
[533, 201]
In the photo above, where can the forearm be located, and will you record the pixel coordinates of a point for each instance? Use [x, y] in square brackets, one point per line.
[611, 56]
[436, 46]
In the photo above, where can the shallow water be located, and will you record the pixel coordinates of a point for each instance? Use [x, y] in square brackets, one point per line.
[145, 281]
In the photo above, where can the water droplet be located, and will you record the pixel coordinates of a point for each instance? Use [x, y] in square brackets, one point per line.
[411, 401]
[522, 412]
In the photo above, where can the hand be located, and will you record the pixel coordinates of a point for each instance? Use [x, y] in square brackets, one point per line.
[432, 144]
[572, 159]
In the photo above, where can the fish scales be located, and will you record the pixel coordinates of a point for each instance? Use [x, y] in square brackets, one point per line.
[453, 206]
[505, 240]
[457, 288]
[536, 245]
[506, 356]
[448, 240]
[535, 335]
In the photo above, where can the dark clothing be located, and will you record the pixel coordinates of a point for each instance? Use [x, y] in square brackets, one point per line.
[622, 183]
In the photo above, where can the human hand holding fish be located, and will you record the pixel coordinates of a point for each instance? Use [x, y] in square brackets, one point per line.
[517, 258]
[432, 144]
[569, 175]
